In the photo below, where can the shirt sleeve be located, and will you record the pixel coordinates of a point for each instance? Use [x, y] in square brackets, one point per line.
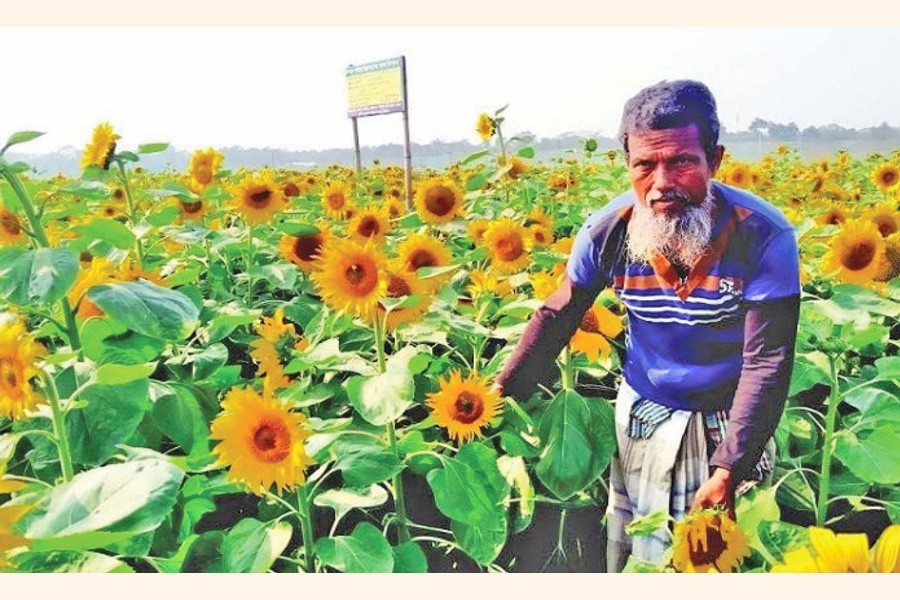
[778, 272]
[585, 267]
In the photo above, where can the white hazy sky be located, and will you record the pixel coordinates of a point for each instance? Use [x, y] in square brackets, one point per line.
[285, 87]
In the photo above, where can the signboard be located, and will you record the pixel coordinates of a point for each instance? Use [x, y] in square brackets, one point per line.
[376, 88]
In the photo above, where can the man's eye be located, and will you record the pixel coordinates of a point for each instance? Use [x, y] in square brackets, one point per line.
[682, 161]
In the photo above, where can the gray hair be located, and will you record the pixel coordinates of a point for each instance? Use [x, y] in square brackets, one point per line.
[670, 104]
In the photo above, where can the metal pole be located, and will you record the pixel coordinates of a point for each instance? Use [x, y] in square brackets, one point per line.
[356, 148]
[407, 154]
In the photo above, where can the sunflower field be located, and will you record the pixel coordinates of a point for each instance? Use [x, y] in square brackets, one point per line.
[293, 371]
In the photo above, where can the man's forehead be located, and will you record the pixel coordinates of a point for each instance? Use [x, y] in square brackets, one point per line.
[687, 135]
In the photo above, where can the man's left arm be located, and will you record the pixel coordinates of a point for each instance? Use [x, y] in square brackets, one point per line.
[770, 333]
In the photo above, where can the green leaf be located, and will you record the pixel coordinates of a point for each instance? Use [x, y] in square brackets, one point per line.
[476, 182]
[209, 361]
[526, 152]
[342, 501]
[89, 190]
[874, 458]
[474, 156]
[364, 468]
[69, 561]
[858, 298]
[888, 367]
[108, 230]
[409, 558]
[108, 341]
[147, 308]
[110, 417]
[365, 550]
[112, 374]
[298, 229]
[778, 538]
[516, 474]
[384, 397]
[43, 275]
[177, 415]
[153, 147]
[128, 156]
[807, 373]
[103, 505]
[648, 524]
[482, 543]
[20, 137]
[579, 441]
[252, 546]
[753, 508]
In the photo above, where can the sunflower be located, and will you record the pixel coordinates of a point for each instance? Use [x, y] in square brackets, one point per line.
[336, 199]
[269, 366]
[538, 216]
[204, 165]
[598, 325]
[261, 441]
[562, 180]
[464, 406]
[540, 235]
[352, 278]
[305, 250]
[99, 271]
[886, 177]
[563, 245]
[484, 282]
[99, 151]
[508, 244]
[395, 206]
[828, 552]
[517, 167]
[11, 231]
[291, 189]
[18, 353]
[890, 264]
[277, 343]
[257, 198]
[856, 253]
[738, 175]
[885, 218]
[834, 214]
[422, 250]
[401, 283]
[439, 200]
[707, 540]
[886, 552]
[485, 127]
[370, 223]
[9, 539]
[476, 229]
[545, 283]
[190, 211]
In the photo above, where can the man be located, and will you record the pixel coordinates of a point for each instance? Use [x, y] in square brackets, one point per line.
[709, 276]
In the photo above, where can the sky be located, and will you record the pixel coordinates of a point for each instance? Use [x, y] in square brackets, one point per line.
[285, 87]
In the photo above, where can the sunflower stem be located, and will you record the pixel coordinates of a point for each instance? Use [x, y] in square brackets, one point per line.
[568, 373]
[830, 419]
[250, 249]
[304, 506]
[132, 216]
[59, 426]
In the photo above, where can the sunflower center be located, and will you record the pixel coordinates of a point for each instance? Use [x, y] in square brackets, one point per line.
[510, 248]
[291, 189]
[440, 201]
[397, 288]
[421, 258]
[203, 174]
[271, 441]
[886, 225]
[9, 377]
[710, 552]
[834, 217]
[119, 193]
[859, 256]
[307, 246]
[10, 223]
[191, 207]
[468, 407]
[260, 198]
[368, 227]
[361, 278]
[889, 177]
[589, 323]
[336, 200]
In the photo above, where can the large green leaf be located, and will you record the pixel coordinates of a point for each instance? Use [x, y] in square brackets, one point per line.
[177, 414]
[382, 398]
[20, 137]
[42, 275]
[252, 546]
[779, 538]
[365, 550]
[110, 417]
[147, 308]
[108, 341]
[69, 561]
[108, 230]
[409, 558]
[343, 501]
[579, 440]
[873, 458]
[809, 370]
[753, 508]
[102, 506]
[516, 474]
[362, 469]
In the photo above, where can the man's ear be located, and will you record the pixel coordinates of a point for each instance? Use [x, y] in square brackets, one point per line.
[717, 159]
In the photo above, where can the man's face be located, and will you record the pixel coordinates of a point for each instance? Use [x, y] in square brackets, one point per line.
[669, 169]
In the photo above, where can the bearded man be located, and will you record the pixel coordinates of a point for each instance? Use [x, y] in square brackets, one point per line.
[709, 275]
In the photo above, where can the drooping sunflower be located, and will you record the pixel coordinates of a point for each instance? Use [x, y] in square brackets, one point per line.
[508, 244]
[9, 539]
[597, 327]
[886, 177]
[828, 552]
[856, 252]
[707, 540]
[18, 355]
[257, 197]
[517, 167]
[204, 165]
[336, 199]
[261, 441]
[98, 271]
[274, 348]
[370, 224]
[485, 282]
[11, 231]
[305, 250]
[402, 283]
[100, 149]
[885, 217]
[485, 127]
[464, 406]
[351, 278]
[439, 200]
[421, 250]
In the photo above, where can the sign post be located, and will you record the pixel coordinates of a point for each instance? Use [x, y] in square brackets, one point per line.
[379, 88]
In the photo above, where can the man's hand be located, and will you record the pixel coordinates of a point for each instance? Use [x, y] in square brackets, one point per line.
[718, 490]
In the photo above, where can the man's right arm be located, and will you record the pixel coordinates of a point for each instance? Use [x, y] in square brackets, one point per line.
[533, 360]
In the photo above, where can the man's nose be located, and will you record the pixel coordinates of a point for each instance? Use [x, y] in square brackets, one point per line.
[663, 177]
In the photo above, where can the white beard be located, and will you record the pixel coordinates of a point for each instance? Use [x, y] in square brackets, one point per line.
[682, 239]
